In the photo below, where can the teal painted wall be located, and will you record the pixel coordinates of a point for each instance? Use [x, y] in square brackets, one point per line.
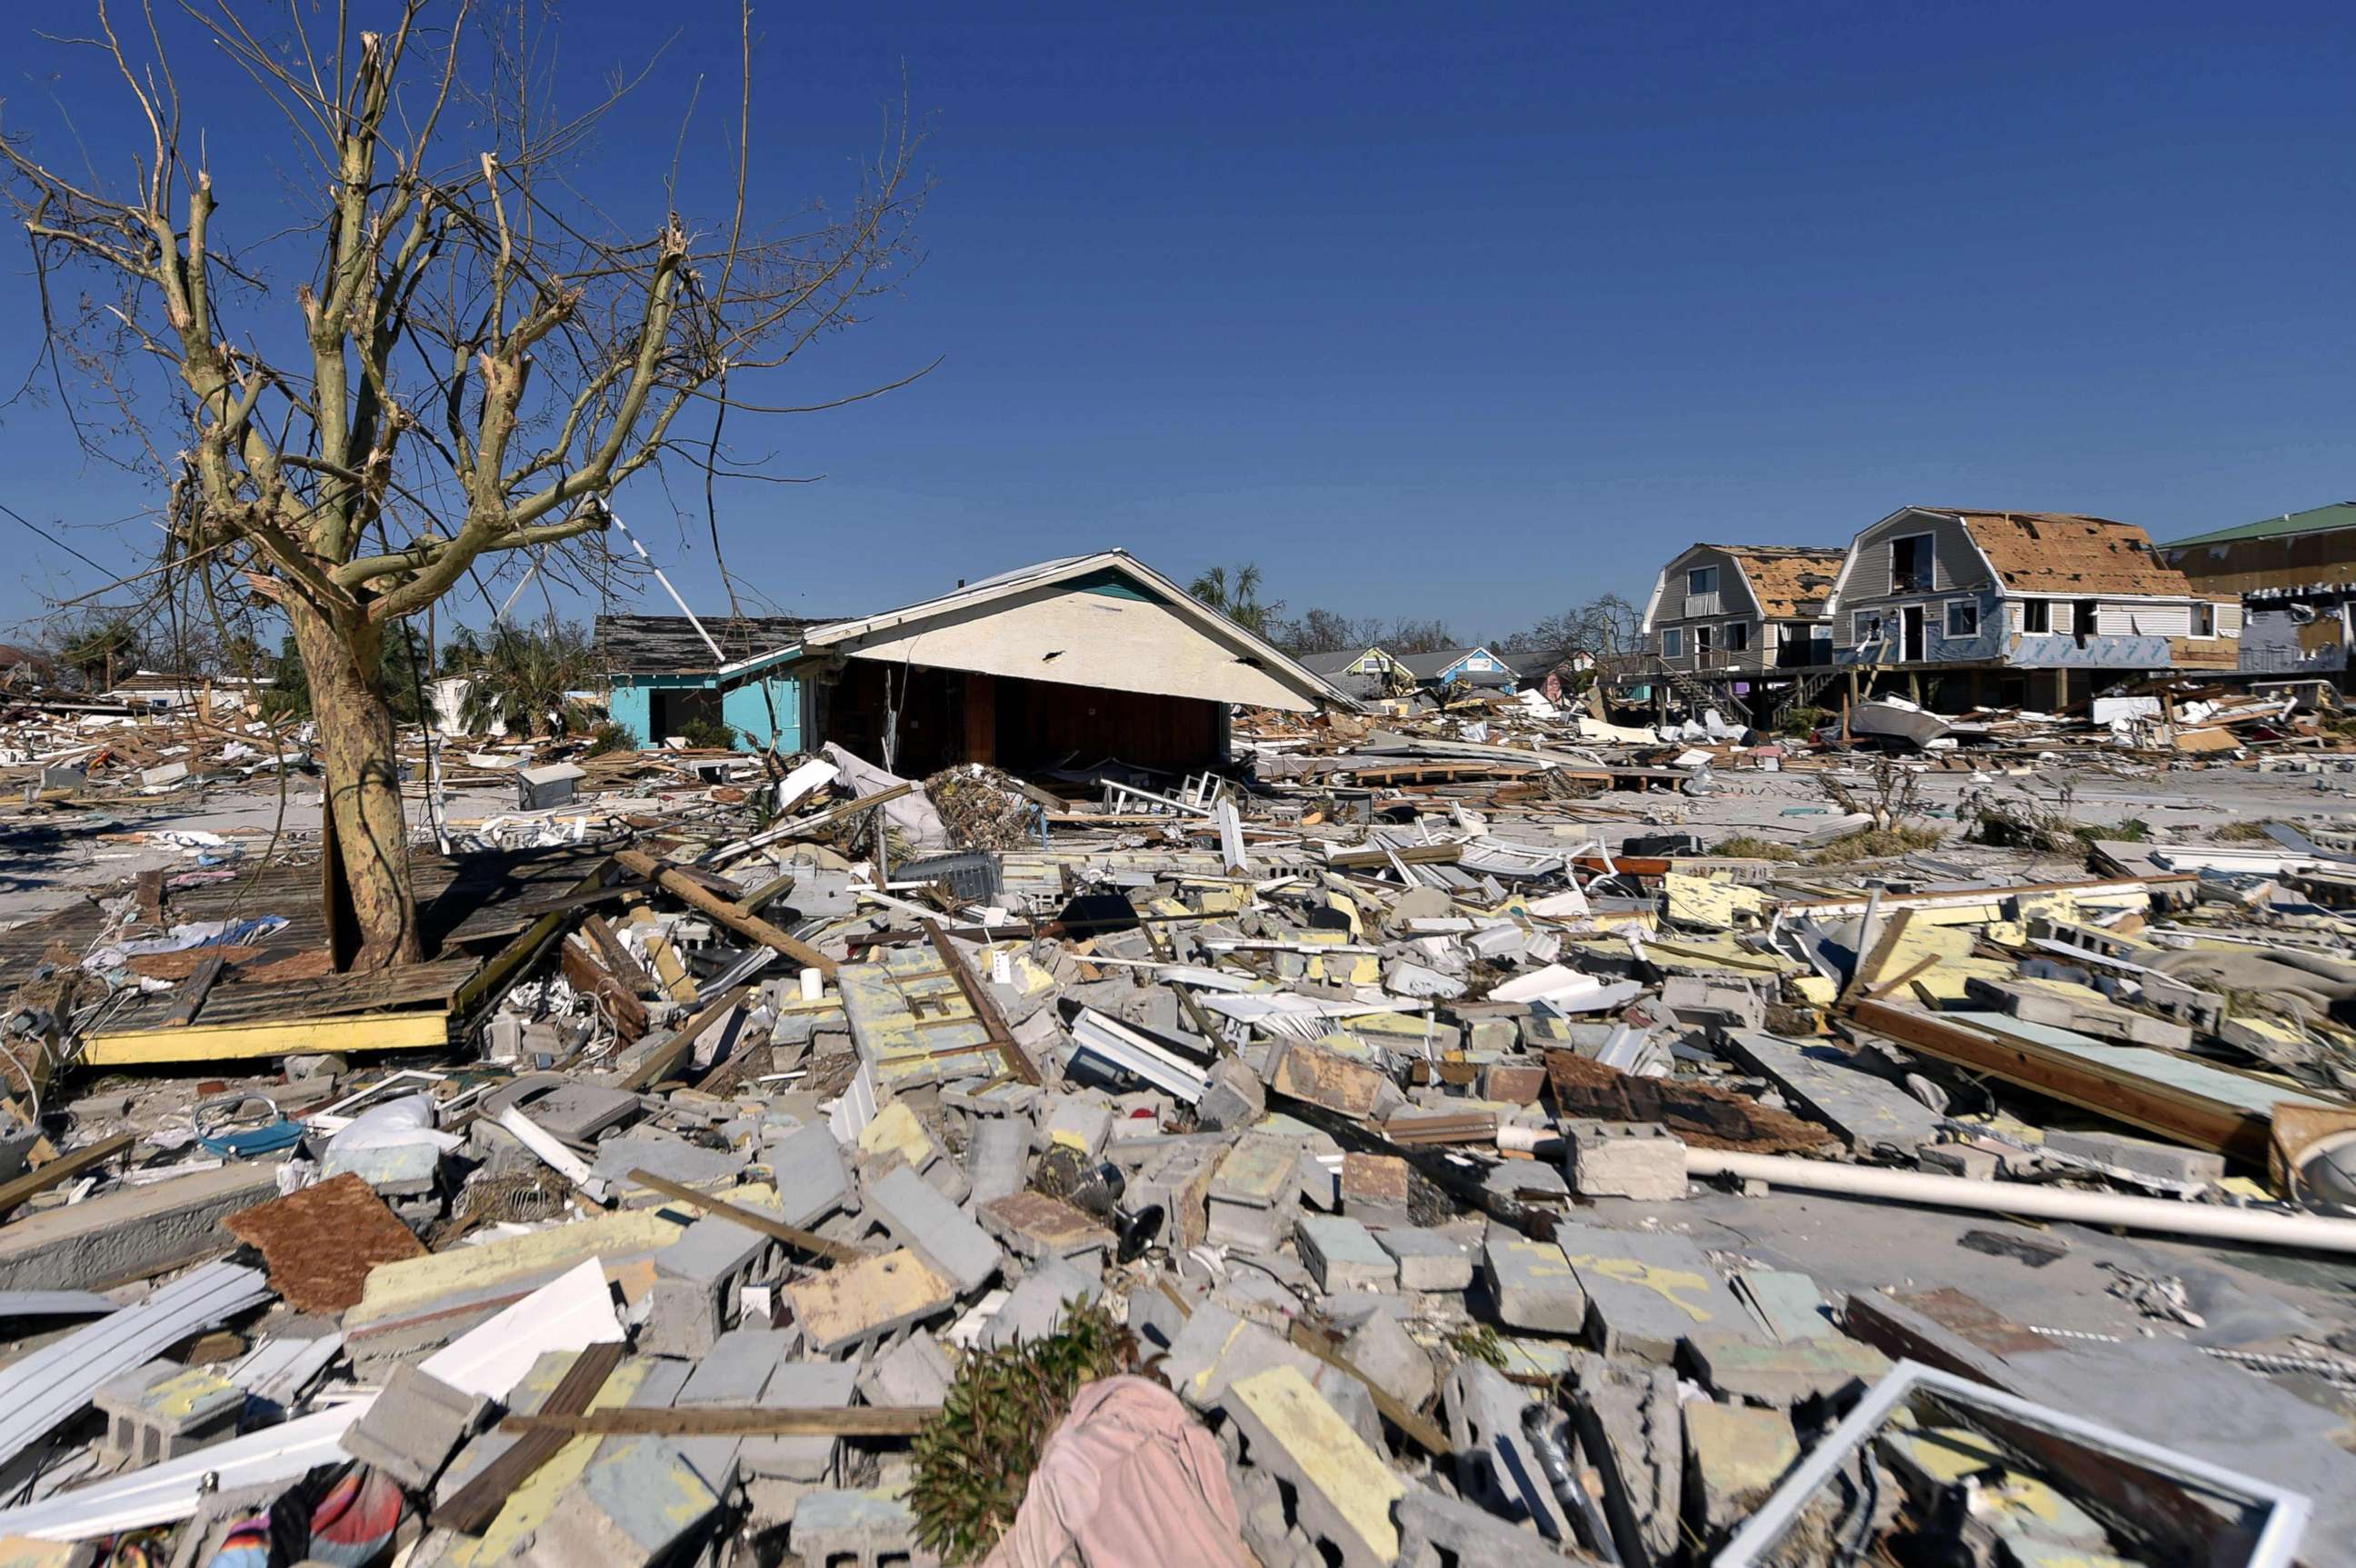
[631, 706]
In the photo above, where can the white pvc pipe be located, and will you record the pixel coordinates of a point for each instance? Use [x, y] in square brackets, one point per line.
[2160, 1215]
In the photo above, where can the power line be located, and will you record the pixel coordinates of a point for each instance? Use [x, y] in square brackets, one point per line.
[53, 539]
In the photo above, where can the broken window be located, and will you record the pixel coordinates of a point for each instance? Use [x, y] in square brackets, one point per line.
[1909, 563]
[2087, 620]
[2036, 614]
[1963, 618]
[1701, 581]
[1673, 642]
[1865, 626]
[1737, 636]
[2204, 620]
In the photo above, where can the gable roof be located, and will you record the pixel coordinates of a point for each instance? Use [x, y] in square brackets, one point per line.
[667, 644]
[2067, 553]
[2315, 519]
[1254, 672]
[1427, 666]
[1784, 577]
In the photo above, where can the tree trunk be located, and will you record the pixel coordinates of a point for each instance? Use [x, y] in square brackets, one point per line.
[363, 782]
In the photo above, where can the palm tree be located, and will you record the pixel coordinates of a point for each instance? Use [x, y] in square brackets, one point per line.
[1239, 602]
[526, 678]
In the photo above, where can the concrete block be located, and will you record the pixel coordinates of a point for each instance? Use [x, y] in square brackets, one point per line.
[1077, 1121]
[1960, 1160]
[852, 1303]
[1034, 1308]
[811, 1179]
[1233, 1096]
[1494, 1464]
[415, 1425]
[735, 1372]
[1428, 1260]
[683, 1319]
[1735, 1453]
[1618, 1159]
[857, 1530]
[1512, 1083]
[1648, 1290]
[131, 1230]
[1435, 1530]
[1383, 1350]
[916, 1371]
[164, 1410]
[1739, 1367]
[1344, 1489]
[2167, 1161]
[1341, 1255]
[1531, 1283]
[801, 1384]
[1037, 1227]
[1216, 1347]
[637, 1502]
[1375, 1188]
[1254, 1193]
[939, 1232]
[566, 1108]
[996, 1152]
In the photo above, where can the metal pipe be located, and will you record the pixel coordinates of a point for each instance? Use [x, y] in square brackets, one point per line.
[2160, 1215]
[615, 518]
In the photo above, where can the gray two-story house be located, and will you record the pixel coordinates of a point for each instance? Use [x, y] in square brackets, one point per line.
[1743, 610]
[1934, 590]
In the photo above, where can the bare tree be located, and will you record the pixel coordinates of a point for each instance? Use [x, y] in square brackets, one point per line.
[1605, 627]
[1406, 635]
[1327, 631]
[472, 356]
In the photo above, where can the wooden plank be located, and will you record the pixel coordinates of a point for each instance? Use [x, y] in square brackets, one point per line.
[661, 1059]
[732, 1421]
[751, 1218]
[582, 973]
[63, 1168]
[191, 993]
[743, 922]
[620, 963]
[475, 1505]
[268, 1037]
[2118, 1095]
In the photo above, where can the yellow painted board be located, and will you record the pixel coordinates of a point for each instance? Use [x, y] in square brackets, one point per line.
[270, 1038]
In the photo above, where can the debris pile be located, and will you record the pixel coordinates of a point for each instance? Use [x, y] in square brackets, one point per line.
[1473, 1134]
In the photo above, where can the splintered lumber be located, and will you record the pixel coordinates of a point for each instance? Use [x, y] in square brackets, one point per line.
[473, 1506]
[582, 974]
[731, 1421]
[619, 961]
[735, 916]
[984, 1006]
[1410, 854]
[751, 1218]
[63, 1168]
[662, 1058]
[1703, 1115]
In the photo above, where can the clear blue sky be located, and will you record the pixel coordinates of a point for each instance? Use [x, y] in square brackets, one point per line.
[1476, 312]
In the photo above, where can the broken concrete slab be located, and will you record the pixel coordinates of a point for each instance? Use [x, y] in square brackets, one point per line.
[1735, 1455]
[939, 1232]
[1648, 1290]
[414, 1425]
[132, 1232]
[852, 1303]
[1531, 1283]
[1345, 1489]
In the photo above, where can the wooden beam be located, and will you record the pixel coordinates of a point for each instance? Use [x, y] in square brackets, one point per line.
[735, 916]
[274, 1038]
[984, 1006]
[582, 973]
[63, 1168]
[620, 963]
[475, 1505]
[731, 1421]
[662, 1058]
[751, 1218]
[192, 991]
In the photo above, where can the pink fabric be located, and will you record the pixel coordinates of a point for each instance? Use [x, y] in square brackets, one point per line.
[1129, 1480]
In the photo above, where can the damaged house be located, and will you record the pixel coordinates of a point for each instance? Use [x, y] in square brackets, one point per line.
[1064, 663]
[2004, 606]
[1723, 619]
[2294, 576]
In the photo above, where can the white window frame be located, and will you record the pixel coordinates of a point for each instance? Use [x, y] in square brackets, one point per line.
[1858, 619]
[1947, 621]
[1896, 539]
[1693, 571]
[2204, 610]
[1727, 634]
[2029, 630]
[1705, 639]
[1673, 642]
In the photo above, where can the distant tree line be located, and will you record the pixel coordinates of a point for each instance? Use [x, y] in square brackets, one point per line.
[1604, 627]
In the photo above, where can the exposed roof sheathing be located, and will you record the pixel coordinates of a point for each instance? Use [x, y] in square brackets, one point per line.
[667, 644]
[2063, 552]
[1783, 577]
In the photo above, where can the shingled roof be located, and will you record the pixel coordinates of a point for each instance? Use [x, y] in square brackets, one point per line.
[2064, 552]
[667, 644]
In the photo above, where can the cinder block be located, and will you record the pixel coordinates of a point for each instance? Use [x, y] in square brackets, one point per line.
[639, 1501]
[1341, 1255]
[995, 1154]
[2167, 1161]
[1494, 1464]
[1399, 1367]
[941, 1233]
[1619, 1159]
[1428, 1260]
[415, 1424]
[819, 1385]
[916, 1371]
[857, 1530]
[811, 1179]
[1533, 1285]
[1375, 1188]
[1344, 1488]
[1435, 1530]
[164, 1410]
[1034, 1308]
